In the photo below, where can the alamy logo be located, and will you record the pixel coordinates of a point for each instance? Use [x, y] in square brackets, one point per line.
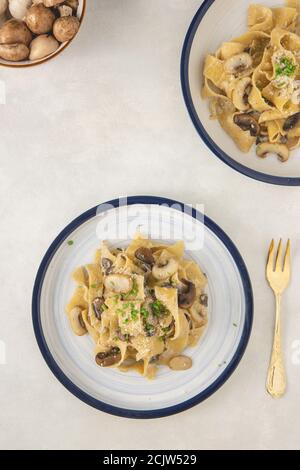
[164, 222]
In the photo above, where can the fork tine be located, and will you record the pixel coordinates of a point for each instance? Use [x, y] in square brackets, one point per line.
[270, 262]
[278, 257]
[287, 257]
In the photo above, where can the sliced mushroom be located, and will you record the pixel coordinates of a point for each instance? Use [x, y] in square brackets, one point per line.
[180, 363]
[280, 150]
[98, 307]
[247, 123]
[145, 255]
[146, 268]
[163, 271]
[187, 298]
[118, 283]
[109, 358]
[76, 321]
[241, 94]
[106, 265]
[238, 64]
[291, 122]
[204, 300]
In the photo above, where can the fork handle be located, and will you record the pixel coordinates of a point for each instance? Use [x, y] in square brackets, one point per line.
[276, 381]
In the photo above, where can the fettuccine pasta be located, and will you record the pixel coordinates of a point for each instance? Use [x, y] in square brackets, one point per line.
[253, 82]
[142, 306]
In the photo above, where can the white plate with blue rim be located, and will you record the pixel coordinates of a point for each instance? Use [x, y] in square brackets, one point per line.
[215, 357]
[213, 24]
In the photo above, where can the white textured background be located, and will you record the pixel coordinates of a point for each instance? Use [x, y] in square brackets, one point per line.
[107, 118]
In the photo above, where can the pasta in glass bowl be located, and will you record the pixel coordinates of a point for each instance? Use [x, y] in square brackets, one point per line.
[142, 305]
[241, 67]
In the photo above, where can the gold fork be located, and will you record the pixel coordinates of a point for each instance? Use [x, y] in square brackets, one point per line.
[278, 279]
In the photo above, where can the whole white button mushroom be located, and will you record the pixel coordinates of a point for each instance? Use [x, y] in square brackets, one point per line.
[42, 46]
[18, 8]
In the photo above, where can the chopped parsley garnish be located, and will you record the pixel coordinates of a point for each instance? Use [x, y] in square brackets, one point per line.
[157, 308]
[70, 242]
[149, 327]
[234, 324]
[126, 321]
[285, 66]
[134, 314]
[94, 286]
[144, 313]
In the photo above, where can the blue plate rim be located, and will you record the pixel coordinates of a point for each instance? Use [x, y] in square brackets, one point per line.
[86, 398]
[184, 77]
